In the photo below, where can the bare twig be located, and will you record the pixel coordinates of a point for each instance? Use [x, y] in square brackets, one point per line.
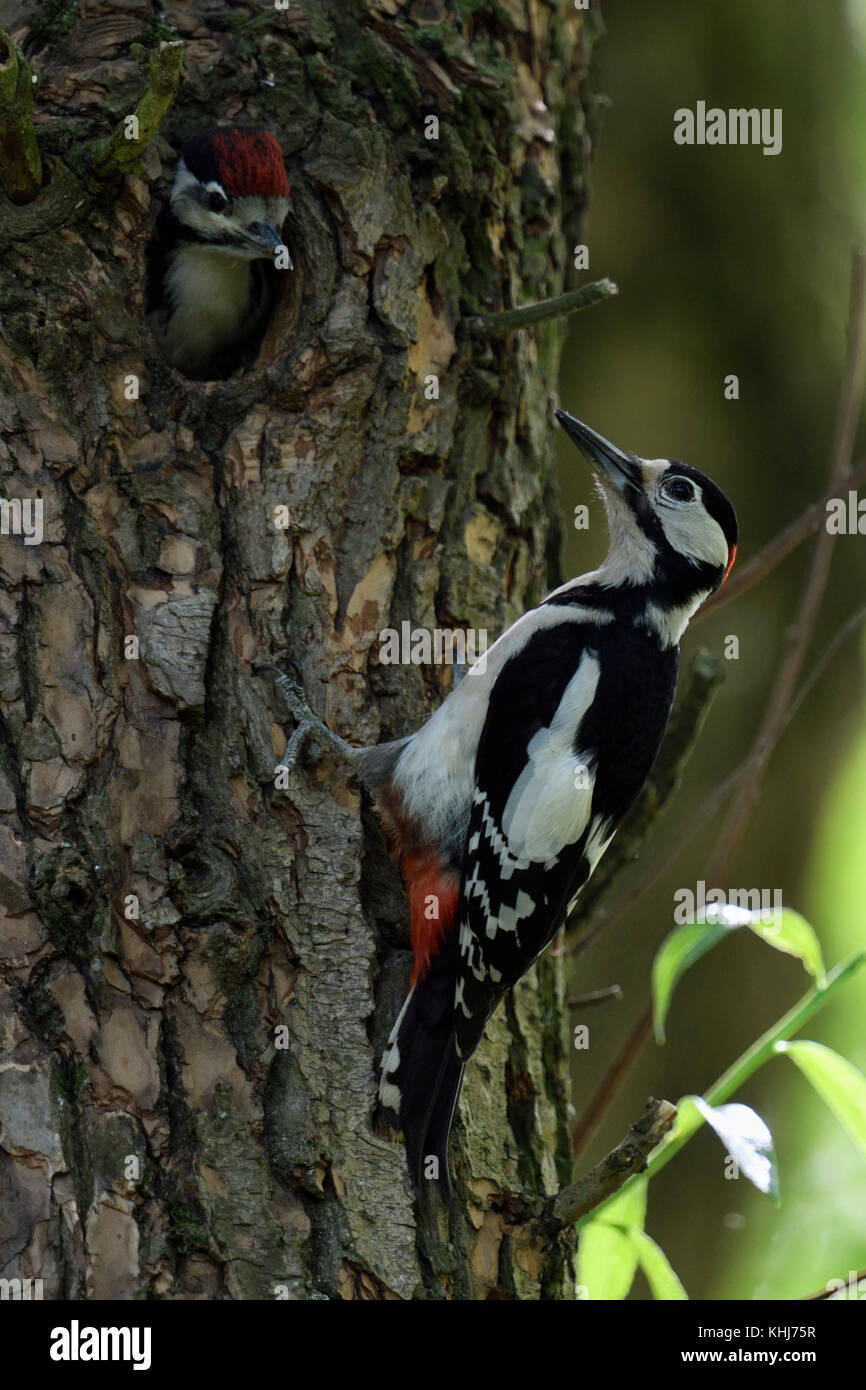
[777, 550]
[629, 1157]
[20, 162]
[594, 1113]
[559, 307]
[707, 809]
[851, 1286]
[800, 635]
[595, 996]
[117, 154]
[848, 628]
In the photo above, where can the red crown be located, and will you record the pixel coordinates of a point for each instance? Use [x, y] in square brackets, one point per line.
[250, 163]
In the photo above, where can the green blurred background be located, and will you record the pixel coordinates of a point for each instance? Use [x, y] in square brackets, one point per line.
[729, 261]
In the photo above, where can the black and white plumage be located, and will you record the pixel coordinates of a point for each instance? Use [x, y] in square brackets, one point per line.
[210, 264]
[500, 806]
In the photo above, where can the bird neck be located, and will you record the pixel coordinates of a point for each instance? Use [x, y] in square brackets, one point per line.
[661, 610]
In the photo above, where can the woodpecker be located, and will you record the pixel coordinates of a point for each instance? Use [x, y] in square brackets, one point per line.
[209, 285]
[499, 807]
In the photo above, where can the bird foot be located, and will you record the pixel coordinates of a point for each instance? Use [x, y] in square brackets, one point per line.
[310, 730]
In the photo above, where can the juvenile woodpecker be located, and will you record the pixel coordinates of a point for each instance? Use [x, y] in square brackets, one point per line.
[500, 806]
[209, 284]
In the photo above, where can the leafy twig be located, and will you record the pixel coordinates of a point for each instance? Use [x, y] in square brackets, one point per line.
[629, 1158]
[754, 1057]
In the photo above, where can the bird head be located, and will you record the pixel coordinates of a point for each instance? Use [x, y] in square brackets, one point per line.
[670, 525]
[231, 193]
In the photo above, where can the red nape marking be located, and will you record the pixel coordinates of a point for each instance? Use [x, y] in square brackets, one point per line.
[250, 162]
[433, 894]
[732, 555]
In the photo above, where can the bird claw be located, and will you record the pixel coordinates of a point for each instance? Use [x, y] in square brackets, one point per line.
[312, 731]
[309, 728]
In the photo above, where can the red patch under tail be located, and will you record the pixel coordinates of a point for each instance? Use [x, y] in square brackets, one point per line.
[433, 893]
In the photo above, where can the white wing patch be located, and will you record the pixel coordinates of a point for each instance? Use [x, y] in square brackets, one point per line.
[550, 803]
[597, 841]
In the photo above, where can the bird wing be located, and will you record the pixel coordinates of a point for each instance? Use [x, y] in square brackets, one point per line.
[533, 832]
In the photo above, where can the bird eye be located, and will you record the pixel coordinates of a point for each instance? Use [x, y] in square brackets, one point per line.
[678, 490]
[217, 200]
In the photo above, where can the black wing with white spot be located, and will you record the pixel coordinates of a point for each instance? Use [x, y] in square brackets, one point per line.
[570, 734]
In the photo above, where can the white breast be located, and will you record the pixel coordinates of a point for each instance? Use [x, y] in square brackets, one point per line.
[210, 292]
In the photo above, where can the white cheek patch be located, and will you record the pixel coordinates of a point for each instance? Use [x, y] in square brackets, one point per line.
[693, 532]
[550, 803]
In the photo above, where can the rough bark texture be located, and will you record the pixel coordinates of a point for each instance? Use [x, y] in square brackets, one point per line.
[157, 1037]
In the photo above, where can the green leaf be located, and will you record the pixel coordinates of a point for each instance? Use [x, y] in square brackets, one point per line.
[663, 1281]
[838, 1082]
[788, 932]
[689, 1119]
[792, 934]
[748, 1141]
[628, 1206]
[606, 1262]
[606, 1258]
[677, 953]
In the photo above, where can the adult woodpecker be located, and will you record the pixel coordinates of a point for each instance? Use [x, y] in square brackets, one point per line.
[209, 281]
[500, 806]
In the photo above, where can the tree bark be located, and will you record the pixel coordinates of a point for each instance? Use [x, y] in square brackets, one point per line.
[199, 967]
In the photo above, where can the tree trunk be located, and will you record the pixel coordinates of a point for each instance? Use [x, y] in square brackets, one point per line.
[199, 966]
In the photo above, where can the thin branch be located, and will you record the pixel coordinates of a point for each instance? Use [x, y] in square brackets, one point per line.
[776, 550]
[800, 635]
[595, 996]
[559, 307]
[848, 628]
[20, 161]
[594, 1113]
[707, 809]
[628, 1158]
[117, 154]
[849, 1284]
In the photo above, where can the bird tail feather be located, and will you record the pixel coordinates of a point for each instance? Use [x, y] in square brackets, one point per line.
[421, 1074]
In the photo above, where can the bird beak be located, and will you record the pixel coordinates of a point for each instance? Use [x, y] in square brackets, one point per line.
[618, 468]
[262, 235]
